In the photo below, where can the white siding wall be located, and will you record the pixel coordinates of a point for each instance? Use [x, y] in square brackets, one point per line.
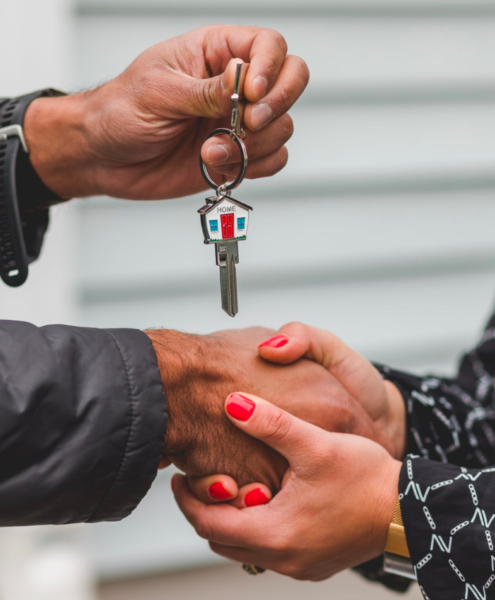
[385, 212]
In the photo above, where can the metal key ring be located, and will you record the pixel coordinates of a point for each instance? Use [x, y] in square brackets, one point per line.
[244, 161]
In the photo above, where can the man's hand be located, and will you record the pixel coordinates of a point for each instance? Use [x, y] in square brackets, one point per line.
[198, 372]
[381, 399]
[334, 509]
[139, 136]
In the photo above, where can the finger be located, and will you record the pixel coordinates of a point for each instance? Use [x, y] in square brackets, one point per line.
[220, 523]
[221, 150]
[264, 167]
[296, 340]
[251, 495]
[293, 438]
[209, 97]
[264, 49]
[213, 488]
[290, 84]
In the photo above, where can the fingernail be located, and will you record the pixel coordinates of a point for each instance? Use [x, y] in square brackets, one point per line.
[172, 484]
[260, 85]
[218, 491]
[255, 498]
[217, 153]
[275, 342]
[261, 115]
[239, 407]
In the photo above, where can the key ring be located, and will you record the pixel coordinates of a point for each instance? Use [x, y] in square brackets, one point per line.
[226, 187]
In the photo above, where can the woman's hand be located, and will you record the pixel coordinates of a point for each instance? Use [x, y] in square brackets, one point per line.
[334, 509]
[139, 135]
[381, 399]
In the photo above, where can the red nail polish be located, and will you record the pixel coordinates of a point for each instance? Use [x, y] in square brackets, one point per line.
[218, 491]
[275, 342]
[239, 407]
[255, 498]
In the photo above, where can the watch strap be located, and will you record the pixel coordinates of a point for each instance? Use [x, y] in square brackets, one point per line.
[396, 538]
[21, 190]
[397, 559]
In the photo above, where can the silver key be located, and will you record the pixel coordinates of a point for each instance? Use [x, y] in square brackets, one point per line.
[224, 221]
[227, 256]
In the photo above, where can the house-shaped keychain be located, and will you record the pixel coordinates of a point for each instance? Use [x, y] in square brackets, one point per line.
[224, 219]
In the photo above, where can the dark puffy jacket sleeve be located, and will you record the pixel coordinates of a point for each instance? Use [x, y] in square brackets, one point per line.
[82, 423]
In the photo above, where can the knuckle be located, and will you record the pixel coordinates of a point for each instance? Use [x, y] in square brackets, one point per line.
[296, 328]
[281, 42]
[208, 99]
[277, 426]
[288, 127]
[203, 529]
[295, 570]
[285, 96]
[303, 68]
[279, 544]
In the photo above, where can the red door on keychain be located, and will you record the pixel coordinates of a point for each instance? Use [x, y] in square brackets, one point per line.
[227, 226]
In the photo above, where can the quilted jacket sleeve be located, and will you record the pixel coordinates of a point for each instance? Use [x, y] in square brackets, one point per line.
[82, 423]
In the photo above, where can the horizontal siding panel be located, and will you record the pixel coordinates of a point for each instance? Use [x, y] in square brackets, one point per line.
[343, 54]
[381, 320]
[327, 238]
[337, 7]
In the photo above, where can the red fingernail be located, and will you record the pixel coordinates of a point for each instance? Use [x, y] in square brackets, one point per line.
[218, 491]
[239, 407]
[275, 342]
[255, 498]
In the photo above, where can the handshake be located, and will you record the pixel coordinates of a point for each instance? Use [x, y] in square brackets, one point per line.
[291, 444]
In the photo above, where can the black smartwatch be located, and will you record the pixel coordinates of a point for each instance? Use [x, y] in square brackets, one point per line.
[21, 190]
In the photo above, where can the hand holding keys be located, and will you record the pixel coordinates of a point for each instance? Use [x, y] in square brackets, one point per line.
[224, 220]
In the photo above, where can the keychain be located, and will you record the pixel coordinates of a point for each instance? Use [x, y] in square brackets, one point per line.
[225, 220]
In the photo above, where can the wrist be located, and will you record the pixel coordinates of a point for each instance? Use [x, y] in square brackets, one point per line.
[178, 355]
[397, 426]
[56, 133]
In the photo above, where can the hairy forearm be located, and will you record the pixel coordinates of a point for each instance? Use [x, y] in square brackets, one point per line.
[56, 130]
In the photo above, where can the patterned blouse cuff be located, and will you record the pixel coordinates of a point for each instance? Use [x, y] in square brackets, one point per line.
[449, 520]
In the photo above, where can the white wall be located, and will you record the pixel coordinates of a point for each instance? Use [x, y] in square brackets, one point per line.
[394, 152]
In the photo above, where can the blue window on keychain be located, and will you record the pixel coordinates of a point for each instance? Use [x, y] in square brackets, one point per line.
[213, 226]
[241, 223]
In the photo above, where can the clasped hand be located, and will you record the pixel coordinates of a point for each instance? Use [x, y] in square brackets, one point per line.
[337, 489]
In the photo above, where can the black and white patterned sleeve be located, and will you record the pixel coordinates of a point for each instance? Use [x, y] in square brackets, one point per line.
[453, 420]
[447, 485]
[449, 519]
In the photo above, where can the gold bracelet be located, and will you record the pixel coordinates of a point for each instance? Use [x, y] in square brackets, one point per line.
[396, 538]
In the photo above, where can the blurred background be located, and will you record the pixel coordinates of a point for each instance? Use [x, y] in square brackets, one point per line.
[393, 160]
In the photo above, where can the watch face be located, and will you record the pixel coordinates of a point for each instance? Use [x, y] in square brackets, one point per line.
[398, 565]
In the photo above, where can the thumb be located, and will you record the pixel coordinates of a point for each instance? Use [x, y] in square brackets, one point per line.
[353, 371]
[295, 439]
[210, 97]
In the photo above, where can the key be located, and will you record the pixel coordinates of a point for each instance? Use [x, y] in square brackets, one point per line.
[224, 220]
[227, 256]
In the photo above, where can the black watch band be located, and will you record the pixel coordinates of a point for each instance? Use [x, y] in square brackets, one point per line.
[21, 189]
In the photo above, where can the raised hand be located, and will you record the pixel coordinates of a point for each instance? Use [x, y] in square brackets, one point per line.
[334, 509]
[381, 399]
[198, 372]
[139, 135]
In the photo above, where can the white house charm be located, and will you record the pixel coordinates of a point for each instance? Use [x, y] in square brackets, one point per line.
[224, 222]
[224, 219]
